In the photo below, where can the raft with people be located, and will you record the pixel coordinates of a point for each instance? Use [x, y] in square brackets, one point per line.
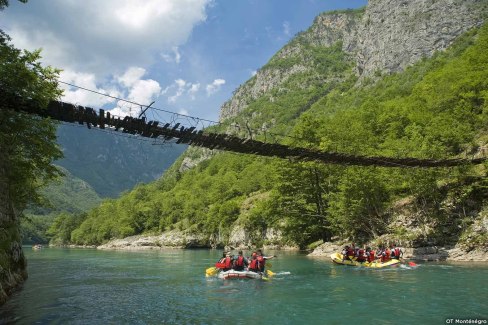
[240, 267]
[384, 256]
[338, 258]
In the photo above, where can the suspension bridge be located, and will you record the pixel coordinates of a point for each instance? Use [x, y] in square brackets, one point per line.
[102, 119]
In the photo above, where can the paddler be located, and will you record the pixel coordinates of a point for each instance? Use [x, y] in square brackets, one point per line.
[396, 252]
[240, 262]
[225, 263]
[262, 260]
[361, 255]
[348, 253]
[253, 264]
[370, 254]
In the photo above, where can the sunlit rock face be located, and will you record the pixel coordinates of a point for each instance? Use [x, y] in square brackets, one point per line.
[395, 34]
[386, 36]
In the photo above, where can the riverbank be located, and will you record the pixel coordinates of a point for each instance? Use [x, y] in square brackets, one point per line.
[182, 240]
[176, 240]
[427, 253]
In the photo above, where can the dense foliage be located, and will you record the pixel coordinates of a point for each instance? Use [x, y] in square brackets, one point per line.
[27, 142]
[435, 109]
[27, 149]
[66, 196]
[112, 162]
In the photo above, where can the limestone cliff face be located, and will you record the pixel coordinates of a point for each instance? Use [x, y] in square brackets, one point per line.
[387, 36]
[394, 34]
[326, 30]
[12, 260]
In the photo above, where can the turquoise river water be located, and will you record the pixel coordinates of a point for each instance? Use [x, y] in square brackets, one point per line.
[89, 286]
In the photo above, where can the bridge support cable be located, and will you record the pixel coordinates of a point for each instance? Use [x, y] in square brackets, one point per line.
[190, 135]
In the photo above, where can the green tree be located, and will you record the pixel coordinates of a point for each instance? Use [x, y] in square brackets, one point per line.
[27, 147]
[62, 226]
[5, 3]
[357, 208]
[27, 143]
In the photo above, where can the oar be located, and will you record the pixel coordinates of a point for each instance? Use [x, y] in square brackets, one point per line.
[211, 271]
[270, 273]
[412, 264]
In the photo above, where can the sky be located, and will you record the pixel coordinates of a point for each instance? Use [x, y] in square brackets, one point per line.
[186, 56]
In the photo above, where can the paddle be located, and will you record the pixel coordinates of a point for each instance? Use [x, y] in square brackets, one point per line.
[211, 271]
[269, 273]
[412, 264]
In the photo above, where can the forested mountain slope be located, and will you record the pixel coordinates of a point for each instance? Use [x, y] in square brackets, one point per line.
[334, 88]
[66, 195]
[112, 163]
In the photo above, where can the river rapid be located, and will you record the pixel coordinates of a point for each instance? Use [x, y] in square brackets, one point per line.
[89, 286]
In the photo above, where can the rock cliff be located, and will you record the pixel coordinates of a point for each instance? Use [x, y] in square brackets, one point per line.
[387, 36]
[395, 34]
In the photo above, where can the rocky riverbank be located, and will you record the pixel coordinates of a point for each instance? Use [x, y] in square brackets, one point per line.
[428, 253]
[239, 239]
[171, 239]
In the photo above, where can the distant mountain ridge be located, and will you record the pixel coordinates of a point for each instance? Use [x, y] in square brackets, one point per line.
[111, 162]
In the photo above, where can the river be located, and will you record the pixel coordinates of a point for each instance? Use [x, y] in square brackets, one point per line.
[89, 286]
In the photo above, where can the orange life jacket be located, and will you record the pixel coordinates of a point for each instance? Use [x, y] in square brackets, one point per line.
[361, 257]
[239, 261]
[228, 262]
[253, 266]
[385, 256]
[220, 264]
[371, 256]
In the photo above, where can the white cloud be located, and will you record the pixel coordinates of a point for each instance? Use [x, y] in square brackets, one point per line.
[131, 76]
[135, 89]
[181, 87]
[83, 97]
[180, 84]
[144, 91]
[102, 37]
[286, 28]
[174, 57]
[254, 72]
[107, 45]
[183, 111]
[214, 86]
[193, 90]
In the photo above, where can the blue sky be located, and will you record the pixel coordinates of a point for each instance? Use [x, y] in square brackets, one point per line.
[186, 55]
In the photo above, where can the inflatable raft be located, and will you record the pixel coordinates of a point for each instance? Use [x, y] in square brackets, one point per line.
[337, 258]
[231, 274]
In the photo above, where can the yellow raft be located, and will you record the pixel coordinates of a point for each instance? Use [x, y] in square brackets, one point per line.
[337, 258]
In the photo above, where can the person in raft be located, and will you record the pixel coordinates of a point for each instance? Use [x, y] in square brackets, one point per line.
[361, 255]
[396, 252]
[253, 263]
[370, 254]
[225, 263]
[240, 262]
[348, 253]
[262, 260]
